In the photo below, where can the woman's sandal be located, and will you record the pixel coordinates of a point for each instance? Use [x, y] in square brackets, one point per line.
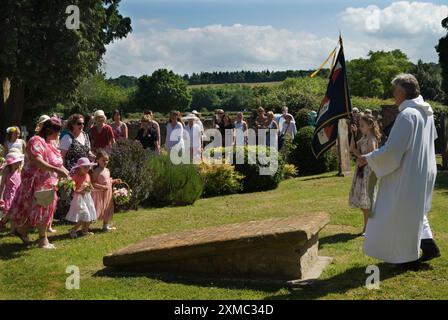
[48, 246]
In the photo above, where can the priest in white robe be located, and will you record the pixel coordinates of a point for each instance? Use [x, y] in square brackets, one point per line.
[406, 166]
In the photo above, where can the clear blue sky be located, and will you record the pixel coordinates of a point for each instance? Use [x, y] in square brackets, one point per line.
[163, 36]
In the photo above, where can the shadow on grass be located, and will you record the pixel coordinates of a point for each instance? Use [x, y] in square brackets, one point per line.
[337, 238]
[320, 177]
[352, 278]
[9, 251]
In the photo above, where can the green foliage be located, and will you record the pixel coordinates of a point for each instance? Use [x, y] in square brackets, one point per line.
[126, 82]
[44, 60]
[220, 179]
[95, 93]
[290, 171]
[255, 179]
[129, 162]
[243, 76]
[304, 159]
[303, 118]
[442, 49]
[162, 91]
[205, 98]
[371, 77]
[429, 76]
[173, 185]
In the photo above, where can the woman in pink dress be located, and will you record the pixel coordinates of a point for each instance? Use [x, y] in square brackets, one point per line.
[41, 171]
[119, 128]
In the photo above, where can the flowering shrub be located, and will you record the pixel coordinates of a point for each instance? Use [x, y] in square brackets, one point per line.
[220, 179]
[129, 162]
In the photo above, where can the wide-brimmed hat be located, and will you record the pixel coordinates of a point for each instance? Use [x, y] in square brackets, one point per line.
[195, 112]
[13, 157]
[356, 110]
[83, 162]
[42, 119]
[99, 113]
[189, 116]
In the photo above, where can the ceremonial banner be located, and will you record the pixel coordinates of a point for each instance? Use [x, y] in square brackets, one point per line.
[335, 105]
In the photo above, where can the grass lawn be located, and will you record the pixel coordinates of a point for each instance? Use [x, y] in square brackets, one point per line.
[32, 273]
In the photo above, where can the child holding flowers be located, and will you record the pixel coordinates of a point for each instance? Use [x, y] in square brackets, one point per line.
[82, 209]
[364, 179]
[102, 193]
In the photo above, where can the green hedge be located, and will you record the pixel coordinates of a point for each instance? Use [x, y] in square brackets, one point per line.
[303, 158]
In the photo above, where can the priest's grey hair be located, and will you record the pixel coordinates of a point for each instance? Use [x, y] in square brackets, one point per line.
[408, 83]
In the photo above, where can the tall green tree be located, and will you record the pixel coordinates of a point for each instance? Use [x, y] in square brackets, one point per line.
[371, 77]
[429, 76]
[442, 49]
[162, 91]
[41, 60]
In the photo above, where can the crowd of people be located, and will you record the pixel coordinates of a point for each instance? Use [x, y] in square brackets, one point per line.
[77, 150]
[395, 209]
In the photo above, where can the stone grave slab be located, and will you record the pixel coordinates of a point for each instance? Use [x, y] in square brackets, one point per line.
[280, 249]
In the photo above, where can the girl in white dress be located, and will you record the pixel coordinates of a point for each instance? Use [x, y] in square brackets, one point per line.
[82, 208]
[364, 179]
[13, 141]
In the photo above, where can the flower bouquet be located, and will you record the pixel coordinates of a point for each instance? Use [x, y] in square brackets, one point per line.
[122, 195]
[66, 184]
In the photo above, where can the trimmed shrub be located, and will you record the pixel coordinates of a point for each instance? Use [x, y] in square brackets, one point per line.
[290, 171]
[173, 185]
[129, 162]
[304, 159]
[255, 179]
[220, 179]
[303, 118]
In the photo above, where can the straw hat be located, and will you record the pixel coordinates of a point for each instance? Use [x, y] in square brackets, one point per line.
[42, 119]
[83, 162]
[99, 113]
[189, 116]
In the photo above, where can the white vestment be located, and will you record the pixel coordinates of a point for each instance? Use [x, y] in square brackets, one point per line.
[406, 166]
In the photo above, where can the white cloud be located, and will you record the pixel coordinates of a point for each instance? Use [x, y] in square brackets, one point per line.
[402, 18]
[216, 47]
[413, 27]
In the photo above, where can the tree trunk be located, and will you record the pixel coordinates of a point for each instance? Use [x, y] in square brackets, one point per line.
[11, 105]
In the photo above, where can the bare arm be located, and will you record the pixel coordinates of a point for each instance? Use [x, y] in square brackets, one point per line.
[43, 165]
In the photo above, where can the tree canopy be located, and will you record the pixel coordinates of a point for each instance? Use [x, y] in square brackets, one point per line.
[442, 49]
[162, 91]
[371, 77]
[41, 60]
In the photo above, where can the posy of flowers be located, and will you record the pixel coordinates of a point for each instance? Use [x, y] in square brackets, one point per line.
[67, 184]
[121, 196]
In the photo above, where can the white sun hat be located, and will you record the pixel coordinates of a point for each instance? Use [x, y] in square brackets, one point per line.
[99, 113]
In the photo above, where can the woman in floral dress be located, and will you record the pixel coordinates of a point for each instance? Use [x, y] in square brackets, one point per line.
[44, 165]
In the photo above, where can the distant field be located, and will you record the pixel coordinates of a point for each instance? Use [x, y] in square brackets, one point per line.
[240, 84]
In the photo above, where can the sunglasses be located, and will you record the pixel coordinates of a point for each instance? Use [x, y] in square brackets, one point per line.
[80, 123]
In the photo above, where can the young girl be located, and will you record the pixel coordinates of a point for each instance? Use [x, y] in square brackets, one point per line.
[82, 209]
[364, 179]
[102, 192]
[13, 140]
[10, 183]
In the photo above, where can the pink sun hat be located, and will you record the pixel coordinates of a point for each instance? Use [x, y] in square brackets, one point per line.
[83, 162]
[13, 157]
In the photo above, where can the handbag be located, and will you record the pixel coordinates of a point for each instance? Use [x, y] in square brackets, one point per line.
[44, 197]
